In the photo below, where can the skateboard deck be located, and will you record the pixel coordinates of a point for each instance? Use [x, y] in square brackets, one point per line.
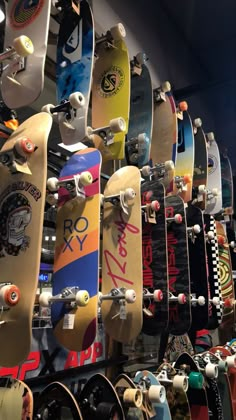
[158, 403]
[214, 201]
[198, 267]
[16, 400]
[31, 20]
[227, 184]
[196, 393]
[75, 56]
[136, 410]
[176, 397]
[200, 173]
[215, 311]
[154, 251]
[99, 399]
[76, 261]
[138, 139]
[111, 90]
[56, 401]
[22, 200]
[165, 131]
[121, 258]
[184, 165]
[178, 267]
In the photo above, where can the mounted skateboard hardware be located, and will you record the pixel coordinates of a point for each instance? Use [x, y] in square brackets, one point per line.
[181, 298]
[180, 108]
[210, 369]
[22, 47]
[131, 397]
[137, 63]
[198, 193]
[9, 296]
[115, 33]
[116, 125]
[121, 296]
[138, 145]
[74, 185]
[195, 379]
[150, 210]
[200, 300]
[122, 199]
[176, 219]
[182, 181]
[156, 296]
[71, 295]
[193, 231]
[180, 381]
[197, 123]
[220, 365]
[155, 393]
[229, 360]
[159, 94]
[16, 157]
[159, 169]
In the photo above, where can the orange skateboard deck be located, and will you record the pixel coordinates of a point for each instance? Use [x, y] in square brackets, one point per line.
[16, 400]
[22, 201]
[122, 260]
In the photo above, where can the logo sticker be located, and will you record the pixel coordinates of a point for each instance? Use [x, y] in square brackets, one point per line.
[212, 164]
[24, 12]
[111, 82]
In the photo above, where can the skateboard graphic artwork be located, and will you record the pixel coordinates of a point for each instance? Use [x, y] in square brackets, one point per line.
[23, 79]
[16, 400]
[214, 184]
[22, 200]
[227, 184]
[74, 298]
[200, 173]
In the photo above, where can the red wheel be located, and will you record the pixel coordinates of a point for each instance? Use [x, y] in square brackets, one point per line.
[158, 295]
[220, 240]
[178, 219]
[155, 205]
[10, 295]
[183, 106]
[228, 303]
[187, 179]
[24, 146]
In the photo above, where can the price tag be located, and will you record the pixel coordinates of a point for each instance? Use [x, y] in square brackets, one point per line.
[68, 321]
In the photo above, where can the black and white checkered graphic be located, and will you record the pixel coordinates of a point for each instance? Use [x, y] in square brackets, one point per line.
[216, 269]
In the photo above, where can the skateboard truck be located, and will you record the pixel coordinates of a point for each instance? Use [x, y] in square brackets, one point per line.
[159, 169]
[68, 106]
[182, 181]
[116, 125]
[197, 123]
[181, 298]
[138, 145]
[209, 236]
[181, 107]
[210, 369]
[179, 382]
[150, 210]
[9, 296]
[159, 94]
[176, 219]
[229, 360]
[195, 379]
[212, 194]
[122, 199]
[154, 393]
[121, 296]
[70, 295]
[198, 193]
[74, 185]
[214, 301]
[115, 33]
[137, 62]
[17, 157]
[210, 138]
[200, 300]
[193, 231]
[156, 296]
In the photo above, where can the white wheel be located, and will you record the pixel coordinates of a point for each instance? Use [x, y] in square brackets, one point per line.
[214, 192]
[169, 165]
[231, 361]
[129, 194]
[44, 299]
[117, 125]
[201, 300]
[210, 235]
[82, 298]
[142, 139]
[146, 170]
[100, 295]
[89, 131]
[210, 136]
[23, 46]
[86, 178]
[133, 397]
[196, 229]
[9, 295]
[141, 58]
[211, 370]
[52, 199]
[52, 184]
[47, 108]
[77, 100]
[130, 296]
[215, 301]
[166, 87]
[157, 394]
[201, 189]
[181, 298]
[180, 383]
[197, 122]
[178, 218]
[232, 244]
[155, 205]
[157, 295]
[118, 32]
[101, 200]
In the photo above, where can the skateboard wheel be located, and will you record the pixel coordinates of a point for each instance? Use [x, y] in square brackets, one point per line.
[146, 170]
[23, 46]
[44, 299]
[187, 179]
[117, 125]
[157, 394]
[130, 296]
[134, 158]
[178, 218]
[166, 87]
[215, 301]
[24, 146]
[129, 194]
[100, 295]
[196, 229]
[210, 235]
[107, 410]
[157, 295]
[133, 397]
[183, 106]
[211, 370]
[52, 184]
[82, 297]
[214, 192]
[52, 199]
[180, 383]
[47, 108]
[232, 244]
[118, 32]
[77, 100]
[231, 361]
[197, 122]
[86, 178]
[201, 300]
[9, 295]
[89, 131]
[201, 189]
[195, 380]
[220, 240]
[223, 366]
[210, 136]
[155, 205]
[142, 139]
[169, 165]
[141, 58]
[181, 298]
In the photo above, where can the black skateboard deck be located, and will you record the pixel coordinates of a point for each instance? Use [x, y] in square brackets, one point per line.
[154, 251]
[200, 167]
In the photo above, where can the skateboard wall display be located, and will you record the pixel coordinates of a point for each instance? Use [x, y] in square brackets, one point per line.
[16, 400]
[134, 404]
[227, 184]
[200, 173]
[214, 185]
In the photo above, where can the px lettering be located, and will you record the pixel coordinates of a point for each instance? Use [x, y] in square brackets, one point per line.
[75, 234]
